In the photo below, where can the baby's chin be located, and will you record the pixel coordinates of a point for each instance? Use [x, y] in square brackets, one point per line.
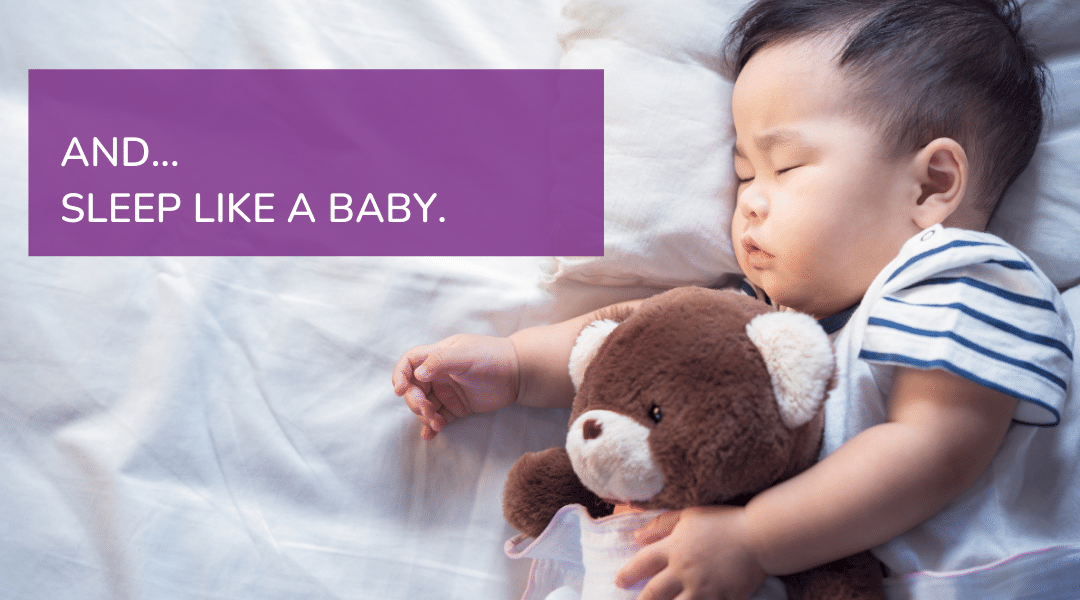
[781, 292]
[781, 296]
[818, 301]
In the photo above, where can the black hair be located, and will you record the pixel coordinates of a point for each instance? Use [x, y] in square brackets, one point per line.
[924, 69]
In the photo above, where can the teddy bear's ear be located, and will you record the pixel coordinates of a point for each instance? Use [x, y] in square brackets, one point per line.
[586, 346]
[800, 361]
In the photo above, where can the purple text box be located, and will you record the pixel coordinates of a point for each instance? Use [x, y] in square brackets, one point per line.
[316, 163]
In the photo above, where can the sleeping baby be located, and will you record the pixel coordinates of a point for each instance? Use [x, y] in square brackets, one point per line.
[873, 140]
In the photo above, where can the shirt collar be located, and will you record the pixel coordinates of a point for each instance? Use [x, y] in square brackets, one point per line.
[831, 324]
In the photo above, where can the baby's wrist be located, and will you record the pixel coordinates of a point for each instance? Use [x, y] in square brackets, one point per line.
[754, 541]
[764, 543]
[517, 381]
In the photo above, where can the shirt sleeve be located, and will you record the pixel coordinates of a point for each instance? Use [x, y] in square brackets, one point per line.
[978, 308]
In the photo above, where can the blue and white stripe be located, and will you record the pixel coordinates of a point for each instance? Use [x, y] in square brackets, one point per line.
[970, 304]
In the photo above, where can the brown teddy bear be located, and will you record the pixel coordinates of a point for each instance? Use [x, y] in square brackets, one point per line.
[699, 397]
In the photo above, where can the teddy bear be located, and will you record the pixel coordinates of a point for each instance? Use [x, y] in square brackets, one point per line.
[698, 397]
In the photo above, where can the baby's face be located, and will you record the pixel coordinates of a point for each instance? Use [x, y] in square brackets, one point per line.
[821, 208]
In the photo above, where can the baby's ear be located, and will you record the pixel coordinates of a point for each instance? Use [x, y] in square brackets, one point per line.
[942, 170]
[587, 345]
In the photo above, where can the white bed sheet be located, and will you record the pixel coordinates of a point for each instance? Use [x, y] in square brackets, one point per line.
[225, 427]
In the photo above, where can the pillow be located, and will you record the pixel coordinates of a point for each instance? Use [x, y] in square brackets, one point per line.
[1040, 213]
[669, 184]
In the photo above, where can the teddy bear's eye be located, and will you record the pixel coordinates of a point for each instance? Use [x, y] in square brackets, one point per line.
[656, 414]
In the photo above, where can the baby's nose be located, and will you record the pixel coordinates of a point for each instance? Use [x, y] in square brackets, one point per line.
[754, 206]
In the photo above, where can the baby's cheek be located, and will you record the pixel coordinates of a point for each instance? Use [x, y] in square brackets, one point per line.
[737, 224]
[740, 257]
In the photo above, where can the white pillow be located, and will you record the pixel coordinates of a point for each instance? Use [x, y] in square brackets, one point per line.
[669, 184]
[668, 180]
[1040, 213]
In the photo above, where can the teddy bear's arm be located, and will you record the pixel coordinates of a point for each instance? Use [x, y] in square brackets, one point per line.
[539, 484]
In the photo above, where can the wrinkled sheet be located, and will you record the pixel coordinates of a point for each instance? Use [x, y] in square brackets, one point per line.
[225, 427]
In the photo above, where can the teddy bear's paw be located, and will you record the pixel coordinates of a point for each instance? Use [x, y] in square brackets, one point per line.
[538, 485]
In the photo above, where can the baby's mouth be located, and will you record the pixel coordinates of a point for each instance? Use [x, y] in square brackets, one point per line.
[754, 254]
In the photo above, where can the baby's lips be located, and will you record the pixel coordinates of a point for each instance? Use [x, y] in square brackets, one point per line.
[756, 257]
[751, 247]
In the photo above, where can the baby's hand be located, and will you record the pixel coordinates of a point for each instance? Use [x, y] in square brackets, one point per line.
[459, 376]
[694, 553]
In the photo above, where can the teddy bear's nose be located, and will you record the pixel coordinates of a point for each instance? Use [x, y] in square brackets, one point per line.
[591, 429]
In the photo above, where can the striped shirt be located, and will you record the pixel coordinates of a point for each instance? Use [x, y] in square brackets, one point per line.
[971, 304]
[975, 306]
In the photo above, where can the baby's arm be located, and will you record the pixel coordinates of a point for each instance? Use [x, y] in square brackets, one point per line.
[942, 433]
[465, 374]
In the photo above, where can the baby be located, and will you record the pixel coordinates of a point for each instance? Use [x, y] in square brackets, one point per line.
[873, 140]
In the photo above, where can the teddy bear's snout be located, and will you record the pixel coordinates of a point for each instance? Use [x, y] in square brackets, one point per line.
[611, 455]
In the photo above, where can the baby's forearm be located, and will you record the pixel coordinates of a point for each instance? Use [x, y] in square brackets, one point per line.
[942, 434]
[543, 355]
[864, 494]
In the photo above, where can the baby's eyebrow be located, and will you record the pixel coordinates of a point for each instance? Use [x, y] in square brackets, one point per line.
[783, 137]
[767, 141]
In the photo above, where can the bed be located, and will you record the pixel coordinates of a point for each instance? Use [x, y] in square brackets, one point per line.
[201, 427]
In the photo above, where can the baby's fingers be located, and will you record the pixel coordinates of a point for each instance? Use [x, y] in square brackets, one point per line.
[433, 416]
[443, 360]
[646, 563]
[403, 370]
[428, 434]
[663, 588]
[418, 401]
[426, 406]
[657, 529]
